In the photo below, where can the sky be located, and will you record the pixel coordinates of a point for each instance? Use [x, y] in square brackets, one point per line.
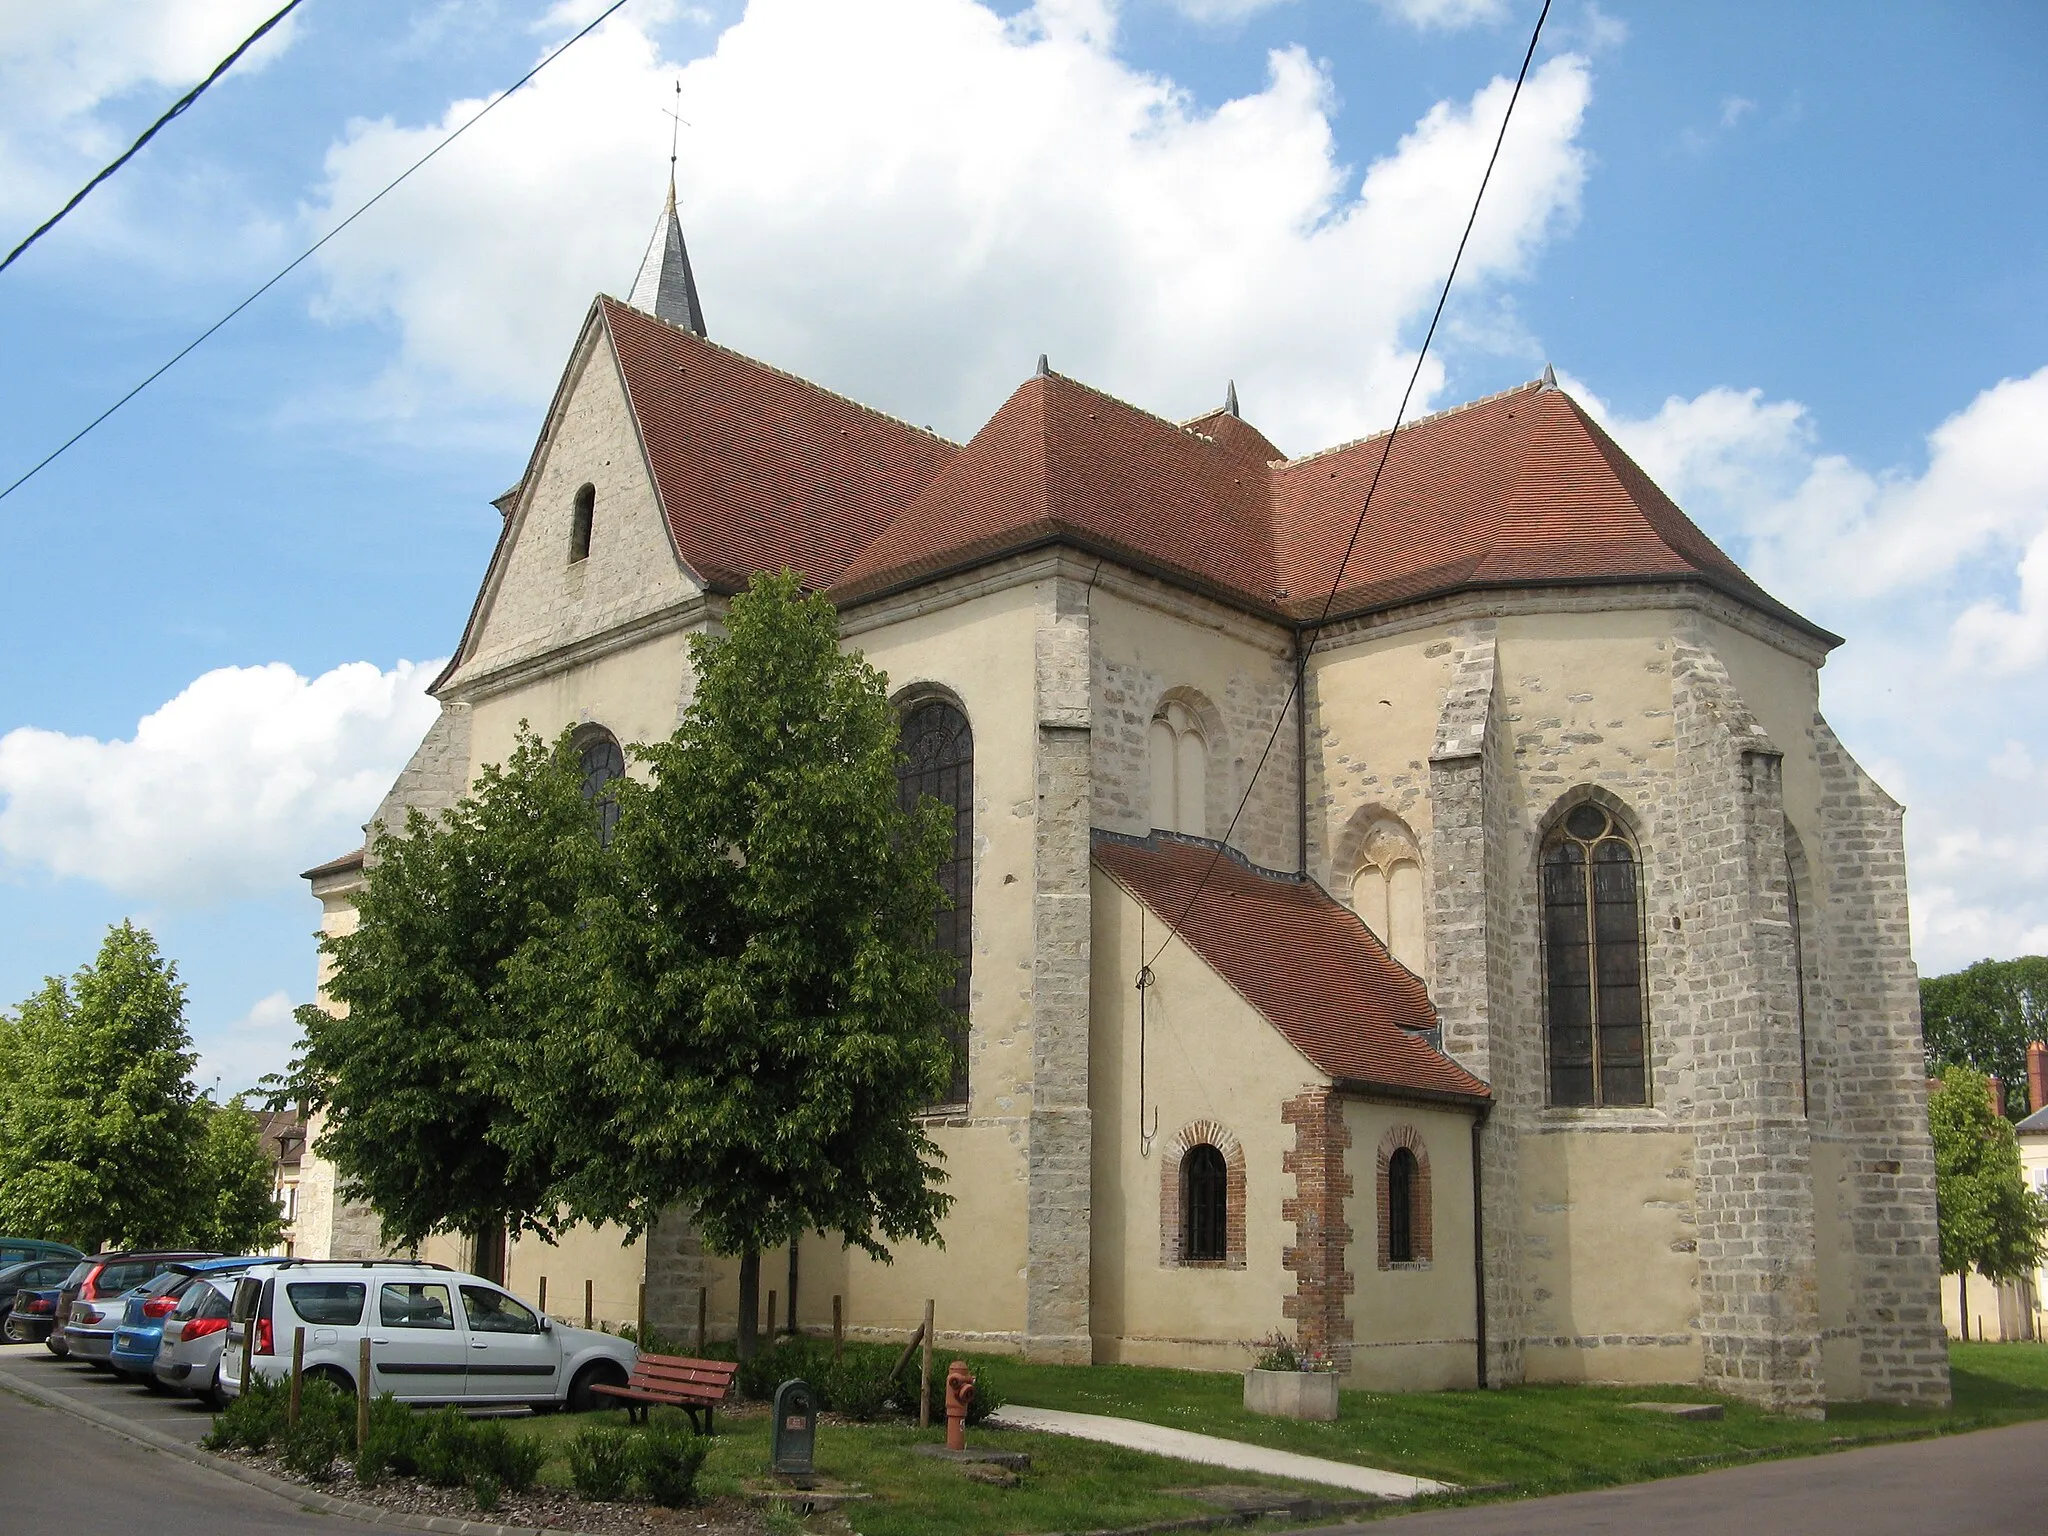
[1795, 257]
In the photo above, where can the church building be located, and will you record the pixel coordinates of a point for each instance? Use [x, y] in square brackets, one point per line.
[1525, 995]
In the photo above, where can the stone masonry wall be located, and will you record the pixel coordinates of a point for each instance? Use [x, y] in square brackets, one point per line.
[434, 778]
[1056, 1306]
[676, 1267]
[1877, 1091]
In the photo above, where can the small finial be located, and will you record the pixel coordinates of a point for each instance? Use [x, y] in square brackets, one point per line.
[1044, 368]
[1549, 377]
[1230, 399]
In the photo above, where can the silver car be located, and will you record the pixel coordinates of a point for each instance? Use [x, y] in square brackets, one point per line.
[188, 1360]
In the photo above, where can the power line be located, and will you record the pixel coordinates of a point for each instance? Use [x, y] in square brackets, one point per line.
[1386, 447]
[297, 261]
[176, 107]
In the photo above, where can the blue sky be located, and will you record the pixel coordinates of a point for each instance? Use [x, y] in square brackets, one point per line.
[1796, 256]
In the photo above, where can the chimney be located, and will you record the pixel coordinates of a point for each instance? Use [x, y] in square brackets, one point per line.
[1997, 1096]
[2037, 1075]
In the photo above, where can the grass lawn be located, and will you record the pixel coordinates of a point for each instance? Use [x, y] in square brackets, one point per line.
[1543, 1439]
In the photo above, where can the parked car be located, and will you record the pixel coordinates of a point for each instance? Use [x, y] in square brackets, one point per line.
[31, 1287]
[141, 1333]
[31, 1305]
[21, 1250]
[93, 1311]
[436, 1335]
[195, 1333]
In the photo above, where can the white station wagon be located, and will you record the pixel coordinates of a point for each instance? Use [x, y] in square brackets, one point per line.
[436, 1335]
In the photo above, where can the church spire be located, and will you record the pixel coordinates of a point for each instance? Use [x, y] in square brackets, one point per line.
[666, 288]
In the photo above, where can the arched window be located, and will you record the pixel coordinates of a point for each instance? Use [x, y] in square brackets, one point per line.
[1593, 961]
[602, 763]
[1401, 1179]
[1180, 771]
[1386, 890]
[579, 524]
[1204, 1205]
[938, 760]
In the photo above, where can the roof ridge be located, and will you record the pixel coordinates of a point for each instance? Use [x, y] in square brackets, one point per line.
[1181, 427]
[1409, 426]
[783, 373]
[1150, 841]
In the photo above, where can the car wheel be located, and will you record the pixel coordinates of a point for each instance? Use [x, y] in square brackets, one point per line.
[582, 1394]
[335, 1375]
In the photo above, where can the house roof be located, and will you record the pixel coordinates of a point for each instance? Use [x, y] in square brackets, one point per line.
[2035, 1124]
[1307, 964]
[759, 470]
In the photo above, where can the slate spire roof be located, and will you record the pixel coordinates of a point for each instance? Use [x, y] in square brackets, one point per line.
[666, 288]
[758, 469]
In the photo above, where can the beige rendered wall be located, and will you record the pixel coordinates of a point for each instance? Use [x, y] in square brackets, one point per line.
[1209, 1057]
[1236, 672]
[635, 693]
[1413, 1326]
[1609, 1246]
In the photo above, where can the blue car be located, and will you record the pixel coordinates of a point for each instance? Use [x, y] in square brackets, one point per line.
[141, 1332]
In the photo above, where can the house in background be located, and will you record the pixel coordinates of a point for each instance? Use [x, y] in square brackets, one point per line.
[282, 1135]
[1506, 980]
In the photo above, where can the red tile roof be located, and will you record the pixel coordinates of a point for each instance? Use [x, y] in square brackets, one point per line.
[1307, 964]
[758, 470]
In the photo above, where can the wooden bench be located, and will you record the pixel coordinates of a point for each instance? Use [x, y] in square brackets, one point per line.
[695, 1386]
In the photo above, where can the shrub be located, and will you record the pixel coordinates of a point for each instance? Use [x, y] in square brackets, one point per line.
[484, 1489]
[666, 1461]
[513, 1460]
[988, 1395]
[442, 1450]
[325, 1431]
[252, 1420]
[858, 1386]
[1276, 1352]
[394, 1431]
[779, 1361]
[601, 1463]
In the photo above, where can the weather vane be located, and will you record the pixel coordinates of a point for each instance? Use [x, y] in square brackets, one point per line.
[677, 122]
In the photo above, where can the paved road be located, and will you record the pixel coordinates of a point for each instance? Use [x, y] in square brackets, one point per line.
[61, 1476]
[182, 1418]
[1992, 1483]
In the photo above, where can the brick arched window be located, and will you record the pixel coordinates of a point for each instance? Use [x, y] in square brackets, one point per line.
[1407, 1222]
[938, 760]
[603, 762]
[1593, 960]
[1201, 1199]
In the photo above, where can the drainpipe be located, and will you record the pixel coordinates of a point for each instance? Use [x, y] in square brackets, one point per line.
[1301, 747]
[1479, 1247]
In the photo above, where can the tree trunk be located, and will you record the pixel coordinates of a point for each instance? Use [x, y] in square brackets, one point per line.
[750, 1302]
[490, 1252]
[1963, 1299]
[792, 1289]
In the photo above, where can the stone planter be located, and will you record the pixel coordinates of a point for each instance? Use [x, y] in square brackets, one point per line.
[1291, 1394]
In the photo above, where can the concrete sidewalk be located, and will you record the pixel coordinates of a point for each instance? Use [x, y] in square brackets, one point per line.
[1212, 1451]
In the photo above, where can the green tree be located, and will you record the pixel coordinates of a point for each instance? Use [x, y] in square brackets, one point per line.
[747, 1025]
[235, 1210]
[1983, 1016]
[99, 1129]
[415, 1070]
[1987, 1217]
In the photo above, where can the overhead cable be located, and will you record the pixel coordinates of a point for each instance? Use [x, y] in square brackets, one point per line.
[297, 261]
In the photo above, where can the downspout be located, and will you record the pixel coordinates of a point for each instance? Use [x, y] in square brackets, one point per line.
[1479, 1247]
[1301, 747]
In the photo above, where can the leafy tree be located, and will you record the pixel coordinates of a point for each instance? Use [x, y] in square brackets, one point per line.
[413, 1069]
[98, 1123]
[1983, 1017]
[1987, 1217]
[747, 1024]
[235, 1210]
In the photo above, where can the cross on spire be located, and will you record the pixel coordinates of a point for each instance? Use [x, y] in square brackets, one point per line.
[666, 288]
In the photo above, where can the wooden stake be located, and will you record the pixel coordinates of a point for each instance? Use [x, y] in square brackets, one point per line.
[291, 1412]
[924, 1385]
[768, 1323]
[838, 1330]
[703, 1315]
[640, 1333]
[589, 1308]
[363, 1392]
[543, 1295]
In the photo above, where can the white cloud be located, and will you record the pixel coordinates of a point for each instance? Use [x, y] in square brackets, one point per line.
[1446, 14]
[1939, 577]
[235, 1056]
[1734, 109]
[911, 201]
[61, 62]
[227, 790]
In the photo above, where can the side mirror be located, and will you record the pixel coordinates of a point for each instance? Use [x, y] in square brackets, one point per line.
[547, 1324]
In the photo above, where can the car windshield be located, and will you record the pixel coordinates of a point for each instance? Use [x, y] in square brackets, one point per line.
[492, 1311]
[78, 1273]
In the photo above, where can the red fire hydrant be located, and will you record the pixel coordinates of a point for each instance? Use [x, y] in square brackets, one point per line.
[959, 1393]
